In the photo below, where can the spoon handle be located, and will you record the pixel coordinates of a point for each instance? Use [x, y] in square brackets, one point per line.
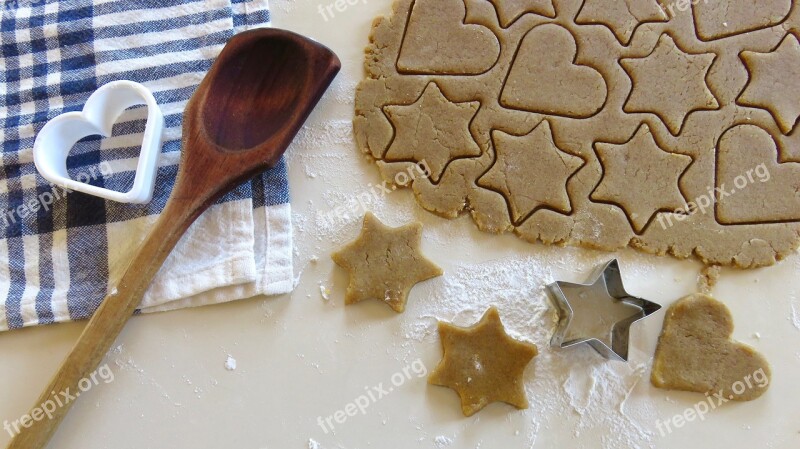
[108, 321]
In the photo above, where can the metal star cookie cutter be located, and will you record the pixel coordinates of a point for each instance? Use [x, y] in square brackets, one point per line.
[605, 313]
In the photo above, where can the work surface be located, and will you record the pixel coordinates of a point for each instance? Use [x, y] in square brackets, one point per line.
[301, 358]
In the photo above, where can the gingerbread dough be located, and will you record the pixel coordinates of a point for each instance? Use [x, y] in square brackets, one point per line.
[668, 128]
[483, 364]
[695, 353]
[385, 263]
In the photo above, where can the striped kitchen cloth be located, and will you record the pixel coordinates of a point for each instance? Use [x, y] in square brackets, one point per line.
[61, 252]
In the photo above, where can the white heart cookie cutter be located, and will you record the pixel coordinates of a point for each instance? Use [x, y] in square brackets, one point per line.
[102, 109]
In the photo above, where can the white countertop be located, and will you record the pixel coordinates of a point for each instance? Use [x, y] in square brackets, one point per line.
[300, 357]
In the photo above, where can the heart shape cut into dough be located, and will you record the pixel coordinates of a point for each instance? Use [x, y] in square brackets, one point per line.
[715, 21]
[758, 189]
[59, 135]
[695, 353]
[438, 41]
[545, 79]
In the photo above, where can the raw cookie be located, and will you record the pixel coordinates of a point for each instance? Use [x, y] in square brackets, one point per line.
[676, 124]
[483, 364]
[695, 353]
[385, 263]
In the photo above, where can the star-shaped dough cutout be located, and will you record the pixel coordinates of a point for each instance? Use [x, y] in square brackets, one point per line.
[775, 82]
[531, 172]
[483, 364]
[433, 130]
[670, 83]
[599, 314]
[385, 263]
[508, 11]
[622, 17]
[641, 178]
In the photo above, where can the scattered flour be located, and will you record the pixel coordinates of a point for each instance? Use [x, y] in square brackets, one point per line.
[325, 292]
[599, 393]
[577, 387]
[442, 441]
[796, 314]
[230, 363]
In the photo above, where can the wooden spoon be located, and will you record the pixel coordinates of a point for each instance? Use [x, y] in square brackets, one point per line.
[238, 123]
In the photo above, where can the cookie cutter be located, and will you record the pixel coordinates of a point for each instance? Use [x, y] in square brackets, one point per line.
[606, 331]
[104, 106]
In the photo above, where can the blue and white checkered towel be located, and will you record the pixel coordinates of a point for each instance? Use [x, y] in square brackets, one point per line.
[60, 253]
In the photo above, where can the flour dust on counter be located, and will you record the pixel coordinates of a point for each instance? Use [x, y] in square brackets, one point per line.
[230, 363]
[577, 385]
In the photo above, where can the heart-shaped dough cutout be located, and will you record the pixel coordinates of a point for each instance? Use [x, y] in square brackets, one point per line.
[715, 21]
[438, 41]
[695, 353]
[545, 79]
[58, 136]
[752, 186]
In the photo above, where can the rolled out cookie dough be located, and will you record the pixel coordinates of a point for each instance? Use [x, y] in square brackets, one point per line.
[569, 121]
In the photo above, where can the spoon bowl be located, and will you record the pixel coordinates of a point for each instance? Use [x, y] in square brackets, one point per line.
[267, 91]
[250, 106]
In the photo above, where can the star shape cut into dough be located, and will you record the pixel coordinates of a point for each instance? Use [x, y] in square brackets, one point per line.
[508, 11]
[599, 314]
[483, 364]
[622, 17]
[775, 82]
[640, 177]
[433, 130]
[669, 83]
[385, 263]
[531, 172]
